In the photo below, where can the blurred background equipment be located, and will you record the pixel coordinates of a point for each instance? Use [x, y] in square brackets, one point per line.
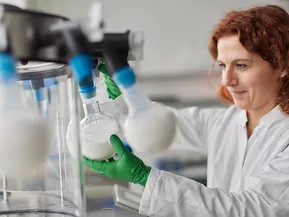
[41, 96]
[39, 176]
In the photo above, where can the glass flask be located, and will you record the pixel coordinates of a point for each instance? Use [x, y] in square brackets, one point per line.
[55, 187]
[95, 130]
[149, 127]
[96, 127]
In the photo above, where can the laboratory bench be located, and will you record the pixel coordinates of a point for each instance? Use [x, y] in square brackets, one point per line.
[100, 197]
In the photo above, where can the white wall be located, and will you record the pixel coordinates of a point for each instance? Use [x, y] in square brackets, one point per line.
[176, 31]
[18, 3]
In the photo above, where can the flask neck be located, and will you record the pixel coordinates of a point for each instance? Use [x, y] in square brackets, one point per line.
[91, 107]
[136, 100]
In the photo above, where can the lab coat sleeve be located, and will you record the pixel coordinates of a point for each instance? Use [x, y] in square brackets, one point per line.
[194, 126]
[167, 194]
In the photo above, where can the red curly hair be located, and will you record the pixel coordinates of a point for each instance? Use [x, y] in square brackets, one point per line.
[263, 30]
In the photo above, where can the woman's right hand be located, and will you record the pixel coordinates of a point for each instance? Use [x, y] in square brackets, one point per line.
[127, 167]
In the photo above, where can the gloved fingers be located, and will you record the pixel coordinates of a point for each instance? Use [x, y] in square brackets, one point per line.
[102, 68]
[97, 171]
[101, 60]
[117, 145]
[113, 92]
[87, 161]
[98, 166]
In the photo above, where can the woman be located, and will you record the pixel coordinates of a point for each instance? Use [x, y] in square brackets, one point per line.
[247, 144]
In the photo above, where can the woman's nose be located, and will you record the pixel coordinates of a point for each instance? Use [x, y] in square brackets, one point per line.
[229, 78]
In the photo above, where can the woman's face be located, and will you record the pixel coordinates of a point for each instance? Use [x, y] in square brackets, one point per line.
[250, 80]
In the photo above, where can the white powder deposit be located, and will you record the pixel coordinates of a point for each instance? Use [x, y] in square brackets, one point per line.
[24, 142]
[95, 138]
[152, 131]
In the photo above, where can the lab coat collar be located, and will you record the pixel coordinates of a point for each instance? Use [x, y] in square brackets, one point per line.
[272, 116]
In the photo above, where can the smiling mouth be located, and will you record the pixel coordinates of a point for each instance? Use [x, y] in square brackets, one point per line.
[238, 92]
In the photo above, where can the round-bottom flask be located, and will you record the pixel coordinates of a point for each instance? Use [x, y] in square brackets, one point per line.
[95, 130]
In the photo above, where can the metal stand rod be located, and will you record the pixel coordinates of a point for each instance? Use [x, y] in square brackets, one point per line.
[5, 193]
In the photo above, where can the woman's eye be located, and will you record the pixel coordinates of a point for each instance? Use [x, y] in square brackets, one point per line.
[241, 66]
[222, 65]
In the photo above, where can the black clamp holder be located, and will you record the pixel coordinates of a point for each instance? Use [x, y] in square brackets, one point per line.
[32, 36]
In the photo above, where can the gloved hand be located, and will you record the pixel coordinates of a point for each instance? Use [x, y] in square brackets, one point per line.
[127, 168]
[112, 89]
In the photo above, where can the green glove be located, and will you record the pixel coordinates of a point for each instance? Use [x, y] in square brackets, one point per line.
[127, 168]
[112, 89]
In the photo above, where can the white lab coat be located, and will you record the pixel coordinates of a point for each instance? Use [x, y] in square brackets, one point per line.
[246, 177]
